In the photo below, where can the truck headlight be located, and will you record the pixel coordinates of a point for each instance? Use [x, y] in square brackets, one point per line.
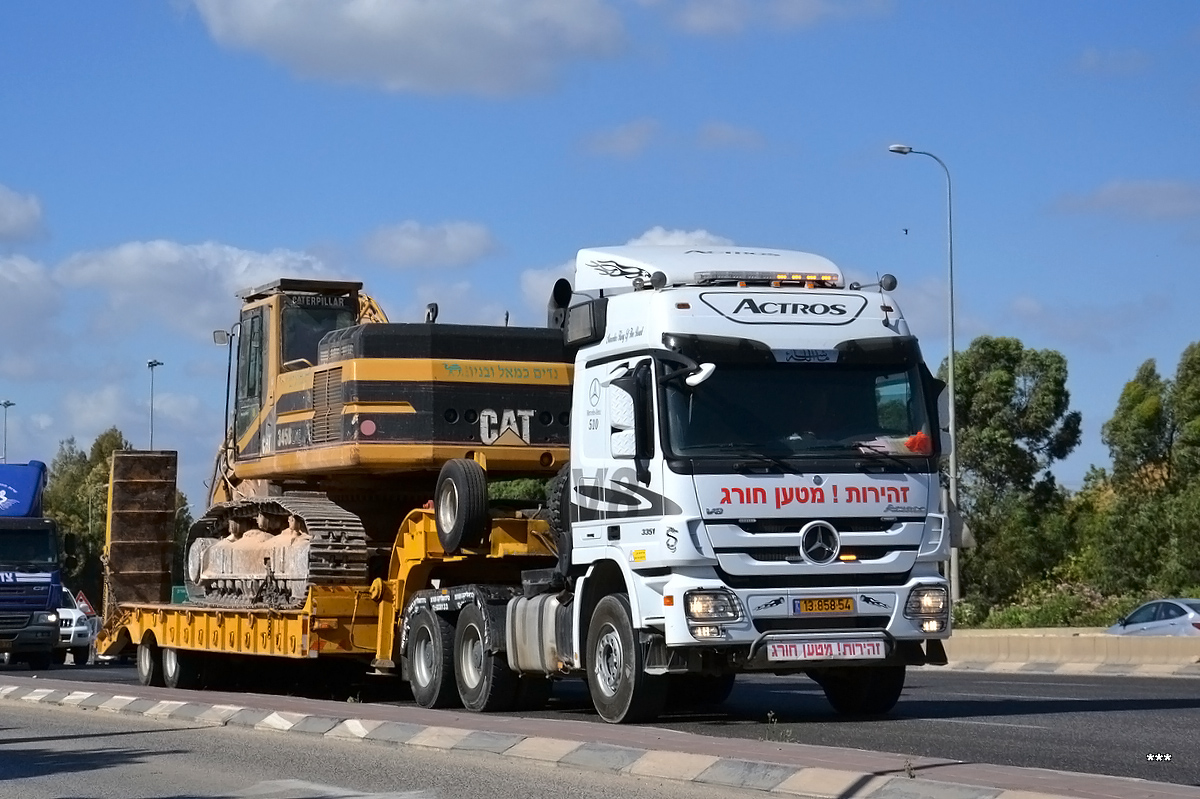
[45, 617]
[925, 601]
[717, 605]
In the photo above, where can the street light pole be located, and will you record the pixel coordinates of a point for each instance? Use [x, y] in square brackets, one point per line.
[902, 149]
[6, 405]
[151, 364]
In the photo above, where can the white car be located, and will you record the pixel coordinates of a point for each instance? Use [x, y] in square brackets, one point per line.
[1161, 617]
[77, 631]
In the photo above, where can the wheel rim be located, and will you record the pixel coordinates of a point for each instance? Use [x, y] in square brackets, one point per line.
[470, 656]
[447, 506]
[170, 663]
[144, 661]
[423, 657]
[610, 656]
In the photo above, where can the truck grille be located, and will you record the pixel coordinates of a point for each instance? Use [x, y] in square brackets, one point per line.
[14, 621]
[327, 406]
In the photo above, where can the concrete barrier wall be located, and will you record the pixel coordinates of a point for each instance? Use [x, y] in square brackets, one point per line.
[1071, 645]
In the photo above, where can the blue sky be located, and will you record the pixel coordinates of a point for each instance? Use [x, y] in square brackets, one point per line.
[156, 157]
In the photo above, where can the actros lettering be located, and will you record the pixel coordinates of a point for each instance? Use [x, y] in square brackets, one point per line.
[790, 308]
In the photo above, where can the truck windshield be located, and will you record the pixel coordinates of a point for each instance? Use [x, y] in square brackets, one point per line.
[27, 548]
[303, 327]
[790, 410]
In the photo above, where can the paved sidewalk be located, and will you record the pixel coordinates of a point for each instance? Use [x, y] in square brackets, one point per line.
[1073, 669]
[776, 768]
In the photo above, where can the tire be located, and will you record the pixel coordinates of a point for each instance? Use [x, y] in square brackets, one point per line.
[431, 660]
[620, 688]
[58, 657]
[699, 690]
[558, 505]
[40, 661]
[865, 691]
[460, 505]
[149, 663]
[485, 682]
[80, 655]
[182, 668]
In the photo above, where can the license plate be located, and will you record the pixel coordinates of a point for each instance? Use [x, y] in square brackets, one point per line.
[826, 650]
[5, 645]
[825, 606]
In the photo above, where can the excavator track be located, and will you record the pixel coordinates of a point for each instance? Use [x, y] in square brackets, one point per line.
[336, 551]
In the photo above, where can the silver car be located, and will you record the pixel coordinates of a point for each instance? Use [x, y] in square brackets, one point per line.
[1161, 617]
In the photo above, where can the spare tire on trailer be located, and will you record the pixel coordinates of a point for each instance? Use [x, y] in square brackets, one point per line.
[460, 505]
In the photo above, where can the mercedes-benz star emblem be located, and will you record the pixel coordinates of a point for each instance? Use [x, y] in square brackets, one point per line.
[819, 542]
[594, 392]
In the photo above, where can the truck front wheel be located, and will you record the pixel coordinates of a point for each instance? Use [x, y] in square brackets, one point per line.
[431, 660]
[485, 682]
[864, 691]
[620, 688]
[149, 663]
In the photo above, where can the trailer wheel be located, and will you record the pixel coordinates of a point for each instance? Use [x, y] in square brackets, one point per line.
[485, 682]
[431, 660]
[461, 505]
[864, 691]
[621, 689]
[150, 663]
[182, 668]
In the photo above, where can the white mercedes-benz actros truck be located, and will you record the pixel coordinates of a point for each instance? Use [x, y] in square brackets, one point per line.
[753, 485]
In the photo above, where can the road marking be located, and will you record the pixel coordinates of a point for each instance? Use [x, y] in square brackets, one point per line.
[992, 723]
[1017, 696]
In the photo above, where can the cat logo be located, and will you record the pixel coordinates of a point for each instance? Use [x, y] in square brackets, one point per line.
[506, 427]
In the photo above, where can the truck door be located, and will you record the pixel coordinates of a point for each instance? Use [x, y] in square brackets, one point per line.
[618, 484]
[251, 380]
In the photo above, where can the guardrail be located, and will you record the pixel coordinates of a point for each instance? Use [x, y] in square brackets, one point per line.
[1075, 645]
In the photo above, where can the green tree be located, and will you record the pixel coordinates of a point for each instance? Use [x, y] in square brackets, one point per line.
[1013, 417]
[1138, 435]
[1185, 411]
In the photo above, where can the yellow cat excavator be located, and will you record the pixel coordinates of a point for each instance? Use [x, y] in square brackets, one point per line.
[342, 422]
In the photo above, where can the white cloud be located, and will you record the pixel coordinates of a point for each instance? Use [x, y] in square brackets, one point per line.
[660, 235]
[1139, 199]
[490, 47]
[718, 17]
[30, 301]
[189, 287]
[1094, 61]
[726, 135]
[92, 412]
[536, 285]
[411, 244]
[20, 215]
[624, 141]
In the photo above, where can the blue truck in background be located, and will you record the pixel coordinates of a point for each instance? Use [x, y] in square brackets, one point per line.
[30, 567]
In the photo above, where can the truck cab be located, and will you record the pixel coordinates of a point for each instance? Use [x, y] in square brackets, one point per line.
[754, 467]
[30, 577]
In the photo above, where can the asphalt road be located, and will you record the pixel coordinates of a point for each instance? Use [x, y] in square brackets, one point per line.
[1092, 725]
[49, 753]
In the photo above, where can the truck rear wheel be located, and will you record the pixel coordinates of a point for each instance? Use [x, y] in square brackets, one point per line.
[431, 660]
[621, 689]
[864, 691]
[149, 663]
[460, 505]
[181, 668]
[485, 682]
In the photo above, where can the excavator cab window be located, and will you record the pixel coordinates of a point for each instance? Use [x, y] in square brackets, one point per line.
[306, 319]
[250, 375]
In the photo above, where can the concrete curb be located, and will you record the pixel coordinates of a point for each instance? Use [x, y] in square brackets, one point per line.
[1077, 669]
[771, 778]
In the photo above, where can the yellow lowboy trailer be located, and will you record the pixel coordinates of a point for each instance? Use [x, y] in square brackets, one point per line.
[390, 625]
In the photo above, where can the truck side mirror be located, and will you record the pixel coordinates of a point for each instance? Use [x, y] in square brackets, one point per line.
[946, 442]
[69, 543]
[70, 563]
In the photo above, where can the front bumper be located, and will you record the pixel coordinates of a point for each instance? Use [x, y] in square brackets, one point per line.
[32, 638]
[805, 615]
